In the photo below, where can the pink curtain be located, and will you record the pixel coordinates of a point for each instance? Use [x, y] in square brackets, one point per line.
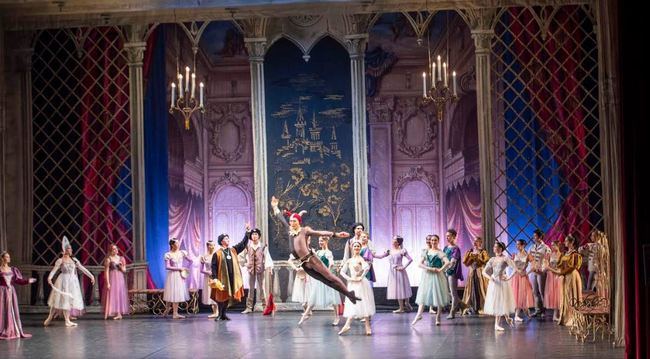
[551, 72]
[185, 224]
[464, 214]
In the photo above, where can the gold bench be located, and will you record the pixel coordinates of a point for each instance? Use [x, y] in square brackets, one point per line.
[591, 315]
[151, 300]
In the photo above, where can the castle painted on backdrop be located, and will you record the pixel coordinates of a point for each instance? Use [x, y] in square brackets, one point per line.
[312, 145]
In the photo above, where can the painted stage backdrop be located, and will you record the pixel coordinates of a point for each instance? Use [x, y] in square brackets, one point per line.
[309, 138]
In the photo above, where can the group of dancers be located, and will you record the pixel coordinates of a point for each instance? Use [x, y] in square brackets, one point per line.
[542, 278]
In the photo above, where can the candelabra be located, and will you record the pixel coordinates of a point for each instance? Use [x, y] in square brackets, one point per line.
[186, 103]
[439, 92]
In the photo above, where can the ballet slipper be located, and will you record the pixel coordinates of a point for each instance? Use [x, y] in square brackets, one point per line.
[178, 316]
[70, 324]
[498, 328]
[438, 321]
[518, 319]
[47, 322]
[119, 317]
[432, 311]
[336, 321]
[213, 315]
[344, 329]
[368, 332]
[416, 319]
[303, 317]
[400, 310]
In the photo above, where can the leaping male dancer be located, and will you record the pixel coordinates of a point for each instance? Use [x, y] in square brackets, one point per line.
[299, 246]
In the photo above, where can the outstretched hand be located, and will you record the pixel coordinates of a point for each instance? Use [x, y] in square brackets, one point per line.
[342, 234]
[274, 202]
[248, 226]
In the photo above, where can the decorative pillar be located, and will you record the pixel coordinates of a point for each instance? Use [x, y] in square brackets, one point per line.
[482, 42]
[3, 231]
[135, 54]
[442, 185]
[256, 47]
[356, 46]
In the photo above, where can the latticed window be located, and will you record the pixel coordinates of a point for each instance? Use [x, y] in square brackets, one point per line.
[545, 78]
[81, 144]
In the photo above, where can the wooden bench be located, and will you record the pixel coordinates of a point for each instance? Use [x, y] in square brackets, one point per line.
[151, 301]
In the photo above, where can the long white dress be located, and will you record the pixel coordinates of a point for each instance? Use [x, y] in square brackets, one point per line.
[322, 296]
[67, 282]
[499, 299]
[358, 267]
[175, 286]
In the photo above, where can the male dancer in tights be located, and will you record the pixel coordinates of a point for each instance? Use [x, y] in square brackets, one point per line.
[299, 247]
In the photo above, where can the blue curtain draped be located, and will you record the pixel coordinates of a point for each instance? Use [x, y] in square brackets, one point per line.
[155, 157]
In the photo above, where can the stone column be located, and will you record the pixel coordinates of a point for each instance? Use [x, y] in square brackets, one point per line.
[357, 48]
[3, 231]
[482, 42]
[135, 53]
[256, 47]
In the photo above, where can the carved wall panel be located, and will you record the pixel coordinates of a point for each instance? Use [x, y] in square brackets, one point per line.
[228, 129]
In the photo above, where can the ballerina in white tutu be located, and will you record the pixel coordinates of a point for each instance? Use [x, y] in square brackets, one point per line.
[432, 291]
[320, 295]
[358, 284]
[499, 300]
[66, 291]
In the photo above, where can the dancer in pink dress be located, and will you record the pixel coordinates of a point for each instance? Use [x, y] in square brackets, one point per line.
[399, 286]
[521, 286]
[115, 298]
[553, 289]
[10, 325]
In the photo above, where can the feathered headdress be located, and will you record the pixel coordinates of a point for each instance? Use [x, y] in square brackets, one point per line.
[65, 243]
[297, 216]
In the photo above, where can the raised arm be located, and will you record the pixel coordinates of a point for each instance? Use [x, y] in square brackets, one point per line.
[382, 255]
[239, 247]
[278, 214]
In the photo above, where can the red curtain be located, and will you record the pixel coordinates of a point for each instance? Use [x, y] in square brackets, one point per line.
[550, 71]
[464, 214]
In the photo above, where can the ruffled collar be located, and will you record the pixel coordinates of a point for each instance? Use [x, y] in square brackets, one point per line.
[293, 232]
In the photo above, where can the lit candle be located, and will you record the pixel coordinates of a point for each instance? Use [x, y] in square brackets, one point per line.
[187, 78]
[439, 69]
[444, 73]
[433, 75]
[424, 84]
[201, 94]
[193, 85]
[173, 95]
[453, 75]
[180, 86]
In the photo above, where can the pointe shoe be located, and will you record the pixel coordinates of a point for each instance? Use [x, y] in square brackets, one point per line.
[213, 315]
[119, 317]
[303, 318]
[368, 332]
[399, 310]
[437, 321]
[344, 329]
[432, 311]
[451, 316]
[510, 322]
[336, 322]
[498, 328]
[518, 319]
[247, 311]
[47, 322]
[70, 324]
[178, 316]
[416, 319]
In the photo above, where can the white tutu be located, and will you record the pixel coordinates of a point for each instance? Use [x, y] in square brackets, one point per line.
[433, 289]
[68, 283]
[364, 307]
[300, 292]
[322, 296]
[499, 299]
